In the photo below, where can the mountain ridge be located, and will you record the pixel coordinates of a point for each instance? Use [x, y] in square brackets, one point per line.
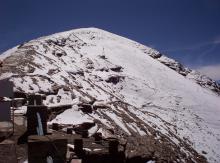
[201, 79]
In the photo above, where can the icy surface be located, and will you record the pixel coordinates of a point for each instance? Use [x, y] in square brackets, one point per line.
[71, 116]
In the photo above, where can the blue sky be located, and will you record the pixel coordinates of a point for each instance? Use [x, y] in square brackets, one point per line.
[186, 30]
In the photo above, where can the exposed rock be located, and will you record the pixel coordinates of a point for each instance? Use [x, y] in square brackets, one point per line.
[116, 69]
[59, 54]
[98, 136]
[102, 56]
[100, 106]
[104, 69]
[114, 79]
[83, 128]
[86, 108]
[150, 148]
[155, 54]
[20, 95]
[52, 71]
[202, 80]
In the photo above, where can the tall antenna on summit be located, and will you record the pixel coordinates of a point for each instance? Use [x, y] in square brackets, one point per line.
[103, 51]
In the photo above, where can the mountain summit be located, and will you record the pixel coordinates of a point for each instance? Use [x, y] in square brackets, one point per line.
[163, 110]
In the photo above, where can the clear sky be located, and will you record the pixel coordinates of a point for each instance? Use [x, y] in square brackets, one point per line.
[186, 30]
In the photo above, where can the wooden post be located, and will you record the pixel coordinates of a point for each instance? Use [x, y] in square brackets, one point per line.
[40, 147]
[13, 117]
[113, 146]
[78, 148]
[78, 145]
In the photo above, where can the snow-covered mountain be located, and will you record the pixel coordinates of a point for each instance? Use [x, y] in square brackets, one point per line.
[164, 110]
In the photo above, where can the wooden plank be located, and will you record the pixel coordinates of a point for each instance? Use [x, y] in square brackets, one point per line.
[50, 145]
[7, 152]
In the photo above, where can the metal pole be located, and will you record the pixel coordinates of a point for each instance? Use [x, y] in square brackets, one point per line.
[13, 119]
[13, 115]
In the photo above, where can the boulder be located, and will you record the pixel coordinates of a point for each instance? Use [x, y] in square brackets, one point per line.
[86, 108]
[114, 79]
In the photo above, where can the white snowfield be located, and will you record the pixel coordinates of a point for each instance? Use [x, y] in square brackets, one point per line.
[95, 64]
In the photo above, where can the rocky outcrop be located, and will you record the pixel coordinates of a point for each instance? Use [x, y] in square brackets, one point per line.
[114, 79]
[199, 78]
[157, 150]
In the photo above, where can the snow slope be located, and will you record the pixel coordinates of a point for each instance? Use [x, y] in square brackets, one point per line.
[130, 88]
